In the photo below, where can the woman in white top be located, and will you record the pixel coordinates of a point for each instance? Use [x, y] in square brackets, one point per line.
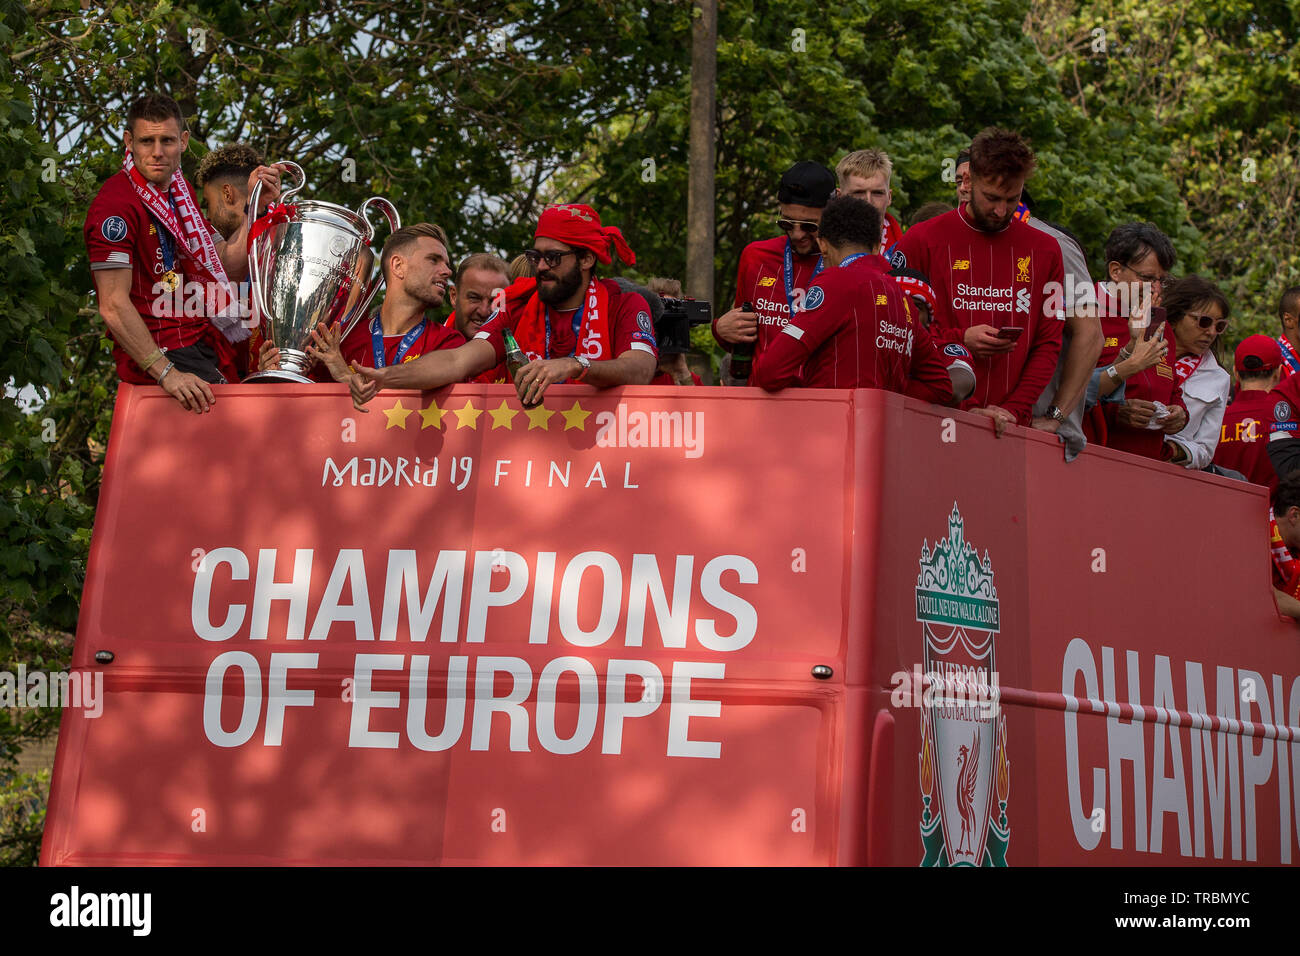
[1197, 313]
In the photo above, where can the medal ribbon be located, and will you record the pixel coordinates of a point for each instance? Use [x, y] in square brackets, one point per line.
[377, 341]
[789, 274]
[577, 321]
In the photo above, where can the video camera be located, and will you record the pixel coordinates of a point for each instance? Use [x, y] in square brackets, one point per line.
[673, 326]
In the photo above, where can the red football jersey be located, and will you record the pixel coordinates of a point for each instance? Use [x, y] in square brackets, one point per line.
[928, 378]
[496, 375]
[1155, 384]
[1243, 437]
[358, 346]
[120, 234]
[890, 233]
[629, 326]
[761, 281]
[856, 330]
[1115, 335]
[1000, 279]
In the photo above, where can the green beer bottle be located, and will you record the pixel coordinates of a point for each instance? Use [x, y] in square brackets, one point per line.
[515, 360]
[742, 354]
[515, 357]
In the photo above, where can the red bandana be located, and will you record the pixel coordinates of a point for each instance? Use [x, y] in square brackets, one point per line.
[577, 225]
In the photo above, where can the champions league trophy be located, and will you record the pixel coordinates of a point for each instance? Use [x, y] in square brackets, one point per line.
[311, 262]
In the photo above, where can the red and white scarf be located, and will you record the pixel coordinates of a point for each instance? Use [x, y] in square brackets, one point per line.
[190, 233]
[1290, 361]
[1185, 366]
[530, 332]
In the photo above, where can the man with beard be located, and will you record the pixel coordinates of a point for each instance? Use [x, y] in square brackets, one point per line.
[993, 277]
[153, 257]
[222, 179]
[416, 272]
[572, 326]
[774, 274]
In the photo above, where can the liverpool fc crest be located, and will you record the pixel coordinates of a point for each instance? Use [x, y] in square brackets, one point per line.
[965, 774]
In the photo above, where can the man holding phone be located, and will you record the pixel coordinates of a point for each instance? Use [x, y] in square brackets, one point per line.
[993, 277]
[774, 274]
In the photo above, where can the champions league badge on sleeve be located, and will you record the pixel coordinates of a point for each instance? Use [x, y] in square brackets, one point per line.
[814, 298]
[645, 331]
[113, 229]
[963, 758]
[1282, 423]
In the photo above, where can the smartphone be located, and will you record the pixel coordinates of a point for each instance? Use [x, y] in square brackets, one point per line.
[1010, 332]
[1157, 316]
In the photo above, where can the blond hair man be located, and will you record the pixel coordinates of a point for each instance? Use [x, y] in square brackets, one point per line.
[865, 174]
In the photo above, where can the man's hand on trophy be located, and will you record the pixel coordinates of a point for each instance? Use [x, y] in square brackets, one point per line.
[364, 383]
[270, 177]
[268, 358]
[324, 348]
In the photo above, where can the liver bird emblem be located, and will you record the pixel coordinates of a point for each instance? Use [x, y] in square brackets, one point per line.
[968, 760]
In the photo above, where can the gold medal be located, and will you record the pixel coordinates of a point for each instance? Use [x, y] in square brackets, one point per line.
[170, 280]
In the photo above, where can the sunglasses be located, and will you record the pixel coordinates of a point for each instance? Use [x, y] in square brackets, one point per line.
[551, 257]
[1205, 321]
[788, 226]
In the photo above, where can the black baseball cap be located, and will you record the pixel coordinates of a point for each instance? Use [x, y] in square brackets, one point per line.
[807, 184]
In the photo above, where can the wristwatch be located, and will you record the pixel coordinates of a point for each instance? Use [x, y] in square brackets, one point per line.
[586, 367]
[1055, 412]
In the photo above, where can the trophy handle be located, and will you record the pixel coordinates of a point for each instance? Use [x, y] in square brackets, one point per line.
[387, 208]
[254, 273]
[293, 190]
[372, 287]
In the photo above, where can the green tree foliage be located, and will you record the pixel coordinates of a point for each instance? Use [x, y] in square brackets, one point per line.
[49, 472]
[1214, 86]
[476, 115]
[915, 78]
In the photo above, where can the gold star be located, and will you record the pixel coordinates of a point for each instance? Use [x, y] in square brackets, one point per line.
[431, 417]
[503, 417]
[468, 415]
[539, 417]
[397, 415]
[576, 417]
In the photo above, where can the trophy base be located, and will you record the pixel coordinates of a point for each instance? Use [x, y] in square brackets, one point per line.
[279, 375]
